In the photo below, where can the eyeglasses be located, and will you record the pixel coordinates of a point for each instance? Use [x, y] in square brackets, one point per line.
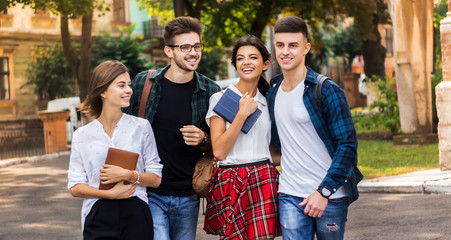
[187, 47]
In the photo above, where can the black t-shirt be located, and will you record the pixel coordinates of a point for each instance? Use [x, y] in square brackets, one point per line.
[178, 159]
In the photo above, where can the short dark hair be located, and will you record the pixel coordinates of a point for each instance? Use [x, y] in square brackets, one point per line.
[180, 25]
[251, 40]
[291, 24]
[102, 77]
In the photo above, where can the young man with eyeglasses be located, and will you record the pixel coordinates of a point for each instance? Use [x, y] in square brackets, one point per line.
[318, 142]
[176, 109]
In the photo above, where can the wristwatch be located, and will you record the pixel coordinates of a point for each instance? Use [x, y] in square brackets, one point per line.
[326, 193]
[205, 141]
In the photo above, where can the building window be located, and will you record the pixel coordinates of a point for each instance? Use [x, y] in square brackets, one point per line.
[146, 29]
[4, 79]
[119, 11]
[156, 30]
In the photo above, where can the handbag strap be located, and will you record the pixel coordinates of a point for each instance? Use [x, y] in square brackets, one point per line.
[145, 94]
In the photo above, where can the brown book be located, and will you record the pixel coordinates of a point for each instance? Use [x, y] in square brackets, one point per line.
[121, 158]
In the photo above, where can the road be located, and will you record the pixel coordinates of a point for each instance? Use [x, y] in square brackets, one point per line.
[35, 204]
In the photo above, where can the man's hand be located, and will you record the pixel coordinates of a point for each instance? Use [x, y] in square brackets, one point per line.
[315, 204]
[192, 135]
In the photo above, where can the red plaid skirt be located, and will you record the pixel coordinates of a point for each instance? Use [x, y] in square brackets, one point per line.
[243, 203]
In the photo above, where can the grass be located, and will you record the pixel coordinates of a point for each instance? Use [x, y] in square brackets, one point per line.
[381, 158]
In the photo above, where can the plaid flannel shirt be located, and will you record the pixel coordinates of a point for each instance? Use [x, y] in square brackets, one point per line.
[205, 87]
[335, 127]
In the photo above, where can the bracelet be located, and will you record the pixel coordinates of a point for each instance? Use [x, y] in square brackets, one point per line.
[131, 176]
[137, 179]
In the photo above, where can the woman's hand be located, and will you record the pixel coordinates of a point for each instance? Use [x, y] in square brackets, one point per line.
[113, 174]
[247, 105]
[122, 191]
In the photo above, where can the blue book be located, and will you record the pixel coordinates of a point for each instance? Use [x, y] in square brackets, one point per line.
[228, 106]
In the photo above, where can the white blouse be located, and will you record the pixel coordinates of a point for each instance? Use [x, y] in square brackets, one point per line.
[90, 145]
[250, 147]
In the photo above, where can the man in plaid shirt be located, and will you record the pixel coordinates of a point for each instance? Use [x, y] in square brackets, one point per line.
[176, 109]
[318, 143]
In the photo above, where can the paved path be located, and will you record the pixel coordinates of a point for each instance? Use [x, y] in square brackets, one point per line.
[35, 204]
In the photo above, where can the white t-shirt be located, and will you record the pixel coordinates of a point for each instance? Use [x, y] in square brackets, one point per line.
[90, 145]
[250, 147]
[305, 159]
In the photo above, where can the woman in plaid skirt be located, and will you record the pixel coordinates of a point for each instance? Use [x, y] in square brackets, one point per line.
[243, 201]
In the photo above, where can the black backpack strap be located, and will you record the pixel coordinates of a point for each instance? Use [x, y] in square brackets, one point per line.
[317, 89]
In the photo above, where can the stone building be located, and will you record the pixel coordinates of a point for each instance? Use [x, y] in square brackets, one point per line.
[21, 29]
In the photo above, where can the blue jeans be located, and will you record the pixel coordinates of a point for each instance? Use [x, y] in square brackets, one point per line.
[297, 226]
[174, 218]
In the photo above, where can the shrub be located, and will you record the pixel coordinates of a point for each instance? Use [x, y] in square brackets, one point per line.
[386, 105]
[124, 48]
[49, 72]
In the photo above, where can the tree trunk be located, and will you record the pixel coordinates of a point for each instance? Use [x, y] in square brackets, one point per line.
[195, 12]
[179, 8]
[349, 64]
[261, 18]
[374, 53]
[79, 65]
[84, 71]
[68, 50]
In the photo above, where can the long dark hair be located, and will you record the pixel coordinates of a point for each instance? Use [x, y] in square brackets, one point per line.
[104, 74]
[251, 40]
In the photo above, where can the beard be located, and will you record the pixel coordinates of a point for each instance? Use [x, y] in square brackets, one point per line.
[180, 62]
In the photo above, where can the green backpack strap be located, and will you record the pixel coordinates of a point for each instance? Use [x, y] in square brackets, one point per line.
[317, 89]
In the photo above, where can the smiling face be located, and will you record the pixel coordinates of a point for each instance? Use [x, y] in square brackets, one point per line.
[119, 92]
[187, 61]
[249, 63]
[291, 49]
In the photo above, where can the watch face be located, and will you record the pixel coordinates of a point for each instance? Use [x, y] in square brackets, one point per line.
[325, 192]
[205, 140]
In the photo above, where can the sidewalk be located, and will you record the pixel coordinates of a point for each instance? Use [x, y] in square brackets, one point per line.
[14, 161]
[427, 181]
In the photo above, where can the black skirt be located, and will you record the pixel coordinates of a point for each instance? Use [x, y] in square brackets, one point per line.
[119, 219]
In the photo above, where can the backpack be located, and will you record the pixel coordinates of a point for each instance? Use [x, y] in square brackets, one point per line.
[317, 89]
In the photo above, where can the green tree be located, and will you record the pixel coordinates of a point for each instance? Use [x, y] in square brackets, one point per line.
[368, 15]
[79, 61]
[212, 64]
[345, 44]
[123, 48]
[49, 73]
[319, 53]
[225, 21]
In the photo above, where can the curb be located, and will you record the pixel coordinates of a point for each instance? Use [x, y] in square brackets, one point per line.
[442, 186]
[391, 187]
[425, 182]
[14, 161]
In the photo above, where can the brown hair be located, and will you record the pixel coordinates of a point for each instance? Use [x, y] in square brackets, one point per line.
[251, 40]
[102, 77]
[291, 24]
[180, 25]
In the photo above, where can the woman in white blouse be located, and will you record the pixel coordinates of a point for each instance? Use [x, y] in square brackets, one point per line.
[242, 200]
[120, 212]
